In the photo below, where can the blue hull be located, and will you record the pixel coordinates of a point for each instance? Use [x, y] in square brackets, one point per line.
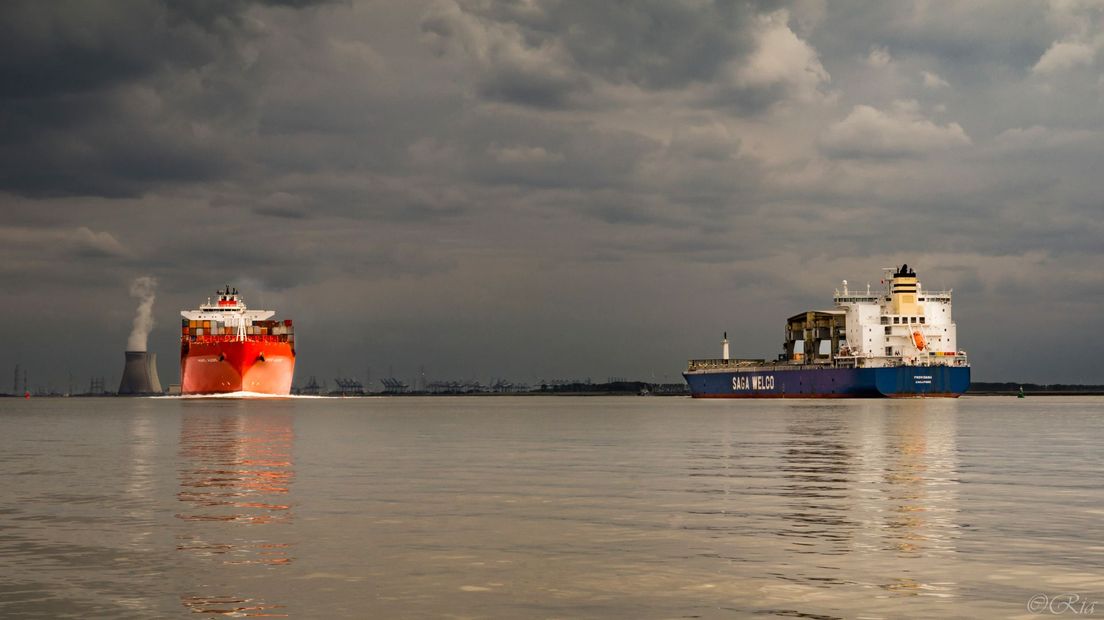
[829, 382]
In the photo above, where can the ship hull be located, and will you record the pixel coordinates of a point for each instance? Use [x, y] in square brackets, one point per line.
[831, 382]
[263, 367]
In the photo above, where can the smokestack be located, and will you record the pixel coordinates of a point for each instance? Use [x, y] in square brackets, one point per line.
[140, 374]
[724, 347]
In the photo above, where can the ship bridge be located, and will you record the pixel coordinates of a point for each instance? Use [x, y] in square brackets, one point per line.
[902, 324]
[229, 310]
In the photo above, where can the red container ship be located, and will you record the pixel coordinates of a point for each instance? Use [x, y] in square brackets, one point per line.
[226, 348]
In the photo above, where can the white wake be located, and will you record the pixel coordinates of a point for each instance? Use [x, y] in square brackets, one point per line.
[240, 395]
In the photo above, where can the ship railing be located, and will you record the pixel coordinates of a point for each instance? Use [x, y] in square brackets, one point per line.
[780, 366]
[723, 363]
[844, 361]
[720, 364]
[235, 338]
[958, 359]
[854, 298]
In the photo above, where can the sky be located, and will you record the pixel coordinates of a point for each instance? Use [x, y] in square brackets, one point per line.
[536, 190]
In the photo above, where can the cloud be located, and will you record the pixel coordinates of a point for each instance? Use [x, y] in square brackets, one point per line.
[87, 242]
[931, 80]
[1039, 138]
[878, 57]
[565, 55]
[1064, 56]
[80, 242]
[388, 156]
[782, 65]
[900, 131]
[1079, 43]
[510, 66]
[522, 155]
[110, 99]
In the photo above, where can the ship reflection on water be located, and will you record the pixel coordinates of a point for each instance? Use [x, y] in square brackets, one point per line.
[235, 474]
[536, 508]
[830, 499]
[872, 486]
[817, 470]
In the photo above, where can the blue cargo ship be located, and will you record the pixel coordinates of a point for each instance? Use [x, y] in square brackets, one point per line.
[898, 342]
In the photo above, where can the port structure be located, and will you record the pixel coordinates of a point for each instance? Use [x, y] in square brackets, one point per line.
[349, 387]
[392, 385]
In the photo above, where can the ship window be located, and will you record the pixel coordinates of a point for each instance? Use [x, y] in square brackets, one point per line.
[888, 330]
[921, 320]
[889, 351]
[896, 320]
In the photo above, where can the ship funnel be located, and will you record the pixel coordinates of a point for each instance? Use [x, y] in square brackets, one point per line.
[724, 347]
[140, 374]
[905, 288]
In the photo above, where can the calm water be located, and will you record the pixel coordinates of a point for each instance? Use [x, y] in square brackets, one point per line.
[548, 507]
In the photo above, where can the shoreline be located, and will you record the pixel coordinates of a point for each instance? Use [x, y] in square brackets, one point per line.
[985, 393]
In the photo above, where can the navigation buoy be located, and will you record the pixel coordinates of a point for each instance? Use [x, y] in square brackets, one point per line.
[1021, 394]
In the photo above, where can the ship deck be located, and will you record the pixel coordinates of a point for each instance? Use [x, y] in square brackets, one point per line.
[758, 365]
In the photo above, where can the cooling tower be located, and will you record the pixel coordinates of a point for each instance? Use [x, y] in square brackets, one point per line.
[140, 374]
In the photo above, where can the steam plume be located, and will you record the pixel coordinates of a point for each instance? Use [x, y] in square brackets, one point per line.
[142, 289]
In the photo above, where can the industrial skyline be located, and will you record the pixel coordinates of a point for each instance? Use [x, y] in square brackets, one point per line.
[533, 189]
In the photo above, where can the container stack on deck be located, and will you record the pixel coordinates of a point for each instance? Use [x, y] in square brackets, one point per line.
[215, 331]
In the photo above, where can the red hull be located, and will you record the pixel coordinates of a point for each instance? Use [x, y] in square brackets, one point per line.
[261, 366]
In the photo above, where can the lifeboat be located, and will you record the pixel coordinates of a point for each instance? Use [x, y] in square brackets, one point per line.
[918, 340]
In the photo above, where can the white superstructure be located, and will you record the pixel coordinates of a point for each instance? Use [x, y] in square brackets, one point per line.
[900, 325]
[229, 311]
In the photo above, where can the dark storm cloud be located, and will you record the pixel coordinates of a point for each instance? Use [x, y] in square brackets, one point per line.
[290, 213]
[965, 38]
[441, 180]
[49, 49]
[92, 101]
[514, 151]
[551, 55]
